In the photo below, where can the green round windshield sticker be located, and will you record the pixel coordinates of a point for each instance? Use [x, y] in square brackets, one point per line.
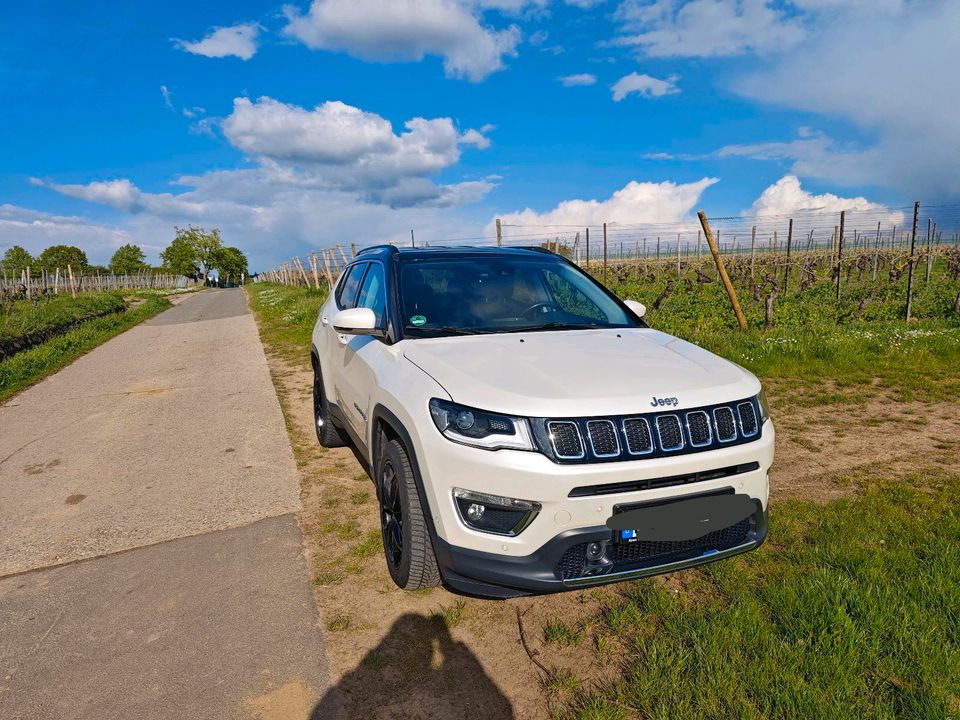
[418, 320]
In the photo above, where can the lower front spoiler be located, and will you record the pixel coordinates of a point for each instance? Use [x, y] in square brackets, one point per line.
[497, 576]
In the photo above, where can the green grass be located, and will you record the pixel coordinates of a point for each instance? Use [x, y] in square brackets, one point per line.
[815, 338]
[287, 316]
[560, 633]
[25, 323]
[28, 367]
[853, 613]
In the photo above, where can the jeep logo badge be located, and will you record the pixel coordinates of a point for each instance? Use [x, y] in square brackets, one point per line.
[661, 402]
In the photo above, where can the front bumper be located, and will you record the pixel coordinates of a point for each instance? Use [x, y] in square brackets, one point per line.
[549, 568]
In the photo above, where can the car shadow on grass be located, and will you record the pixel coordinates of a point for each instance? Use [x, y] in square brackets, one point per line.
[417, 670]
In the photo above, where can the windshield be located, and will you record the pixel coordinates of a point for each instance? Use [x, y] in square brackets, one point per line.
[489, 294]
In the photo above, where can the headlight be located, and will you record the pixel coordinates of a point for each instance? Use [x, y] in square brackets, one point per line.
[764, 407]
[479, 428]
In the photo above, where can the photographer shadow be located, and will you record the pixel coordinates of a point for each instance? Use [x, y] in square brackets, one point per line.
[417, 671]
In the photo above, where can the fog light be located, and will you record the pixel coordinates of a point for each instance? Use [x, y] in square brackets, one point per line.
[494, 513]
[595, 550]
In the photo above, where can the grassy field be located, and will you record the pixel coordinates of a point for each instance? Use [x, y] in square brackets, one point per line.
[850, 610]
[24, 323]
[32, 365]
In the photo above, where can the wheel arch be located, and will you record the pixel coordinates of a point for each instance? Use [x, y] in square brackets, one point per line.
[387, 426]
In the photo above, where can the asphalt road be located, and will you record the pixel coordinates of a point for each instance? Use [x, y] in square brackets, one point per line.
[150, 560]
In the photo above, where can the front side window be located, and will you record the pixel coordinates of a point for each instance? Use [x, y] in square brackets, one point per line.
[347, 292]
[489, 293]
[373, 293]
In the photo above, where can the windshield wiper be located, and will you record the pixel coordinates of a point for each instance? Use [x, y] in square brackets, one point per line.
[553, 326]
[446, 330]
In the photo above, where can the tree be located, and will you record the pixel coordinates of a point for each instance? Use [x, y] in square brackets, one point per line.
[231, 262]
[192, 250]
[59, 256]
[128, 260]
[181, 257]
[16, 260]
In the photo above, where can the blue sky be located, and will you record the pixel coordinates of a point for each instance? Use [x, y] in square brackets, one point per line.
[291, 127]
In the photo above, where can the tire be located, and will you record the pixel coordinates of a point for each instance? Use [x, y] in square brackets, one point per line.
[328, 434]
[406, 537]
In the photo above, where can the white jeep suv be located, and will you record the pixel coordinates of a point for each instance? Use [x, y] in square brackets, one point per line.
[526, 431]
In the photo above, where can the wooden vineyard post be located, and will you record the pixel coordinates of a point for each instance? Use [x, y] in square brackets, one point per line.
[604, 253]
[678, 256]
[587, 264]
[499, 233]
[722, 271]
[698, 248]
[313, 270]
[576, 249]
[876, 252]
[73, 287]
[913, 243]
[926, 278]
[786, 272]
[840, 252]
[753, 250]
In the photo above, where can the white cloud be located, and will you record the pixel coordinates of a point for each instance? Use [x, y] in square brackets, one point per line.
[577, 79]
[475, 138]
[893, 89]
[237, 40]
[705, 28]
[637, 202]
[406, 30]
[167, 101]
[36, 230]
[584, 4]
[338, 146]
[644, 85]
[786, 198]
[334, 167]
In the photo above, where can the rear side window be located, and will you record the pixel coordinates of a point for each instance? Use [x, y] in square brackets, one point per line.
[347, 292]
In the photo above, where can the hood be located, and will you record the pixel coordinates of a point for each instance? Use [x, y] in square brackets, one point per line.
[579, 373]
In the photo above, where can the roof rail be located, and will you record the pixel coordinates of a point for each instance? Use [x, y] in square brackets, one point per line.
[536, 248]
[391, 248]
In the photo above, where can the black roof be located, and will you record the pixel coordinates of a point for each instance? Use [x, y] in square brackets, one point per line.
[434, 250]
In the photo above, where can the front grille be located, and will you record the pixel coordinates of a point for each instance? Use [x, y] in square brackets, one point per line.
[603, 438]
[631, 556]
[639, 441]
[698, 425]
[566, 440]
[748, 418]
[656, 434]
[726, 425]
[671, 435]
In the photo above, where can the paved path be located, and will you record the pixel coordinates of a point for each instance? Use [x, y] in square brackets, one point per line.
[150, 560]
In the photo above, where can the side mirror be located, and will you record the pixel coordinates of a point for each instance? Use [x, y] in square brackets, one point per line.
[639, 309]
[356, 321]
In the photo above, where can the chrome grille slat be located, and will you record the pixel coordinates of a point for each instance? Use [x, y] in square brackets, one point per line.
[726, 424]
[748, 419]
[669, 432]
[565, 436]
[603, 438]
[698, 428]
[639, 439]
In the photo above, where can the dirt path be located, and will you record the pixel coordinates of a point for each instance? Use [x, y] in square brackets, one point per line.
[151, 564]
